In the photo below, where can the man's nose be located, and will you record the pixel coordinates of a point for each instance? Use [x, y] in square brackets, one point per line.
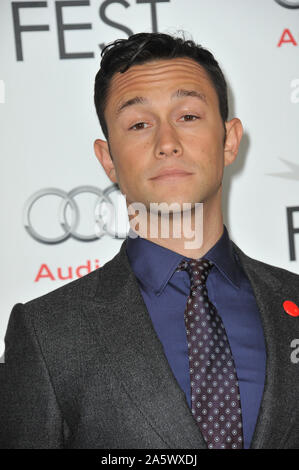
[168, 143]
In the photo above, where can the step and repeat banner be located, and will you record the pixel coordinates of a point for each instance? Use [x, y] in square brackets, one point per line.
[51, 181]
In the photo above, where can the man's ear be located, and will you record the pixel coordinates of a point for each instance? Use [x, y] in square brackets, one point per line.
[234, 132]
[101, 149]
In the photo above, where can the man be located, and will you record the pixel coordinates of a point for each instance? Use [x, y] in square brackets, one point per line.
[168, 345]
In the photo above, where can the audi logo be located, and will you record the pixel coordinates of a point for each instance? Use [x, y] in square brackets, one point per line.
[288, 3]
[103, 207]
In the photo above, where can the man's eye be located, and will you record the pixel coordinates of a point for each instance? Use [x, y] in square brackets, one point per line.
[139, 125]
[190, 117]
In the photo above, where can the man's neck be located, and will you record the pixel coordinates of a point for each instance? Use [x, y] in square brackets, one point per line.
[209, 239]
[205, 233]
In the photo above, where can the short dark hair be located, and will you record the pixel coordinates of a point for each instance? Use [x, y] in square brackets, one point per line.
[140, 48]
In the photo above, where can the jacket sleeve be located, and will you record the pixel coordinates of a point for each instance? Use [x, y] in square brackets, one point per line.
[30, 417]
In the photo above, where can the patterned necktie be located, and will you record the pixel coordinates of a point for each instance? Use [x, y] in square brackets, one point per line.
[215, 395]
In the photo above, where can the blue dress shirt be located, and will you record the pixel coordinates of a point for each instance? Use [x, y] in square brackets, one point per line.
[165, 294]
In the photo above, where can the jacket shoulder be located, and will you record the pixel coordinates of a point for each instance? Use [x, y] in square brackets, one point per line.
[266, 270]
[79, 291]
[75, 290]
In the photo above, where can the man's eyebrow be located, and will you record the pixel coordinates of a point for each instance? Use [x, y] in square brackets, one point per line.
[182, 92]
[130, 102]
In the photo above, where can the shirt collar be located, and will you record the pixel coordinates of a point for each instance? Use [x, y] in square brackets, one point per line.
[154, 264]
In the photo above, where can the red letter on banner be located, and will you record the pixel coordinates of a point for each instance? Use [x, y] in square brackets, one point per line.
[287, 37]
[40, 275]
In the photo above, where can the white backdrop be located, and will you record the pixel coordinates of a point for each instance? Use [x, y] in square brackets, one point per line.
[48, 125]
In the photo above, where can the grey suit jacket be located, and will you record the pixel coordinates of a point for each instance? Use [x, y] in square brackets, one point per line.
[84, 367]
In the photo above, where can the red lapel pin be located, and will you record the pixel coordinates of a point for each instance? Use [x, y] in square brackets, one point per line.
[291, 308]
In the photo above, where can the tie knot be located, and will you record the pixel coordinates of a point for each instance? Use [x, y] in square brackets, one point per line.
[198, 269]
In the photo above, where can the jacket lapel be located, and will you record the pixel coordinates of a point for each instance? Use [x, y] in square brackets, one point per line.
[121, 321]
[278, 397]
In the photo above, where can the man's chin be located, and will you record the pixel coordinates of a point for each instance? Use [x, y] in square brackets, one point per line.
[175, 206]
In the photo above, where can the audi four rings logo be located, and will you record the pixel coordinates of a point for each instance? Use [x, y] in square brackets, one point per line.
[68, 200]
[288, 3]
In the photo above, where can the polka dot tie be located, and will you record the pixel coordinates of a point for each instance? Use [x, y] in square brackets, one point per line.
[215, 395]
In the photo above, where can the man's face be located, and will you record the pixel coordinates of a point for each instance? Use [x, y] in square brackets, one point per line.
[164, 115]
